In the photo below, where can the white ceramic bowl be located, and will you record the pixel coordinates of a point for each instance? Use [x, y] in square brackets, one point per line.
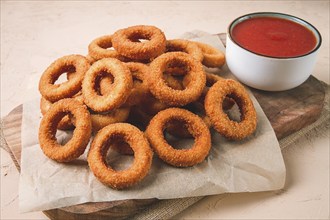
[266, 72]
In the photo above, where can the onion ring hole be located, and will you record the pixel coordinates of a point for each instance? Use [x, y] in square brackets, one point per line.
[178, 141]
[114, 159]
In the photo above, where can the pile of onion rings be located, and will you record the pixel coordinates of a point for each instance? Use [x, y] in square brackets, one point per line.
[133, 87]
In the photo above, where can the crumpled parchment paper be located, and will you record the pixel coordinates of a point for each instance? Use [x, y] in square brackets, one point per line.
[254, 164]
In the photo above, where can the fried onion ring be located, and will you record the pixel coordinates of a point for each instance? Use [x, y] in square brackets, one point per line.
[71, 63]
[142, 155]
[178, 129]
[81, 135]
[179, 157]
[100, 120]
[100, 48]
[103, 82]
[90, 59]
[137, 118]
[220, 120]
[140, 87]
[212, 57]
[159, 88]
[120, 90]
[184, 46]
[64, 124]
[228, 102]
[126, 43]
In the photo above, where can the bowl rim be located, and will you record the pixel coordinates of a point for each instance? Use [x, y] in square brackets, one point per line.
[272, 14]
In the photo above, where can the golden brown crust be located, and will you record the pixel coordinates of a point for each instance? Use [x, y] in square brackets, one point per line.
[54, 92]
[152, 106]
[124, 41]
[220, 120]
[99, 48]
[179, 157]
[105, 83]
[185, 46]
[81, 135]
[101, 120]
[159, 88]
[90, 59]
[142, 155]
[64, 124]
[178, 129]
[211, 56]
[228, 102]
[121, 87]
[140, 88]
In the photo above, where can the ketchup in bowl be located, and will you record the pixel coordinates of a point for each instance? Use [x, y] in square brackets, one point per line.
[274, 36]
[271, 51]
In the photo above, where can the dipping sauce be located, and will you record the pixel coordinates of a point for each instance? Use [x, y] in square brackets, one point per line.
[275, 37]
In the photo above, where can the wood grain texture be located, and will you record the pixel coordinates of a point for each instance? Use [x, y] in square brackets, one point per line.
[12, 134]
[287, 111]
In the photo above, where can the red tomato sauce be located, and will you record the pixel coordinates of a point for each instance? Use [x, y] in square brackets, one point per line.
[274, 37]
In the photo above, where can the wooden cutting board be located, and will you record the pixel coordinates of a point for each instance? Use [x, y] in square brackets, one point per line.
[287, 111]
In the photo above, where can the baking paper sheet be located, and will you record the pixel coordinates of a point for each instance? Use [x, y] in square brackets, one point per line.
[254, 164]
